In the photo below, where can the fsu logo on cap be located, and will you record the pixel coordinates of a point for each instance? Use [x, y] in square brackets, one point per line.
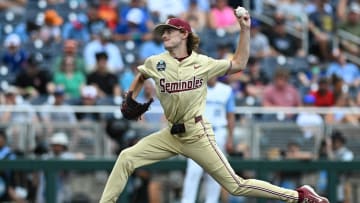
[161, 65]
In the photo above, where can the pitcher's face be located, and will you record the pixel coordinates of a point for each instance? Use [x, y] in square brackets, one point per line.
[172, 38]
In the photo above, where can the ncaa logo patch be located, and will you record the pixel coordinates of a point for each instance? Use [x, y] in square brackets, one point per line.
[161, 65]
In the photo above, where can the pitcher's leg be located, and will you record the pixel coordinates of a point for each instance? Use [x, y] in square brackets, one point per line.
[191, 183]
[150, 149]
[206, 154]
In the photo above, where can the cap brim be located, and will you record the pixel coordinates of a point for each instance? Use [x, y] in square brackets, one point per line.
[159, 29]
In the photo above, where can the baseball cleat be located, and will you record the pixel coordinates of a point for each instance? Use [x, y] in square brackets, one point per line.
[308, 195]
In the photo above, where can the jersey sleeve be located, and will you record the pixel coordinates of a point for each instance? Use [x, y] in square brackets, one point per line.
[147, 69]
[218, 67]
[230, 104]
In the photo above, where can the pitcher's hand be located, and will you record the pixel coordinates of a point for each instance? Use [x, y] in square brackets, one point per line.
[244, 20]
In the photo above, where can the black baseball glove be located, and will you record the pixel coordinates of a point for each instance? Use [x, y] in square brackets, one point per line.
[131, 109]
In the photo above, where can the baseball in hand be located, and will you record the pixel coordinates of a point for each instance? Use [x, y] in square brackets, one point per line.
[240, 11]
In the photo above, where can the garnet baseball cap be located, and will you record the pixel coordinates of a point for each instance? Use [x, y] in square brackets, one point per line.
[175, 23]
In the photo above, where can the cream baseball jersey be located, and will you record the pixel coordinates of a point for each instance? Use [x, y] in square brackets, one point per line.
[181, 85]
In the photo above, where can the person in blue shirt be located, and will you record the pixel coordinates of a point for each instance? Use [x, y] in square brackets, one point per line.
[76, 29]
[14, 57]
[134, 23]
[347, 71]
[150, 48]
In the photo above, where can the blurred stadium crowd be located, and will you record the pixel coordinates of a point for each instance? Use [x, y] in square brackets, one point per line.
[59, 53]
[66, 46]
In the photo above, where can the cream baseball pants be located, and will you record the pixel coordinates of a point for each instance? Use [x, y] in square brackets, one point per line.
[197, 143]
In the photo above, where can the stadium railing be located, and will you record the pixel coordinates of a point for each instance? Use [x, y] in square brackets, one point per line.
[261, 167]
[343, 35]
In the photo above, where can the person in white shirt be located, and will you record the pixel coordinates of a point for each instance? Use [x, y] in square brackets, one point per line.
[162, 9]
[310, 123]
[103, 44]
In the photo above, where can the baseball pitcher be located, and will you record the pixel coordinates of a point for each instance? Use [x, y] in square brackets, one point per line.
[181, 76]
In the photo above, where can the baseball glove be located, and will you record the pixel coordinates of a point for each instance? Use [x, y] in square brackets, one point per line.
[131, 109]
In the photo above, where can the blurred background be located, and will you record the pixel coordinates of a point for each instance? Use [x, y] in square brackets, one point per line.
[65, 65]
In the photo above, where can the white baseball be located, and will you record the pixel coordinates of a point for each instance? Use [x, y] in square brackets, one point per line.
[240, 11]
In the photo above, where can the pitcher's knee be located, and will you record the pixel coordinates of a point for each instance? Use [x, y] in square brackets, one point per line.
[233, 191]
[126, 160]
[236, 188]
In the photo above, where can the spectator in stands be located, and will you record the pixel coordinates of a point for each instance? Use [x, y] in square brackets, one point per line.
[338, 87]
[342, 8]
[293, 11]
[76, 29]
[59, 145]
[281, 42]
[290, 179]
[13, 5]
[65, 113]
[351, 25]
[347, 71]
[309, 122]
[253, 83]
[221, 16]
[107, 11]
[70, 78]
[337, 150]
[152, 47]
[195, 15]
[259, 44]
[135, 23]
[161, 10]
[12, 97]
[34, 83]
[15, 119]
[14, 56]
[281, 93]
[94, 23]
[104, 43]
[89, 96]
[27, 29]
[10, 191]
[82, 3]
[203, 5]
[224, 50]
[106, 83]
[321, 27]
[51, 30]
[339, 117]
[324, 96]
[293, 151]
[61, 119]
[310, 75]
[69, 52]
